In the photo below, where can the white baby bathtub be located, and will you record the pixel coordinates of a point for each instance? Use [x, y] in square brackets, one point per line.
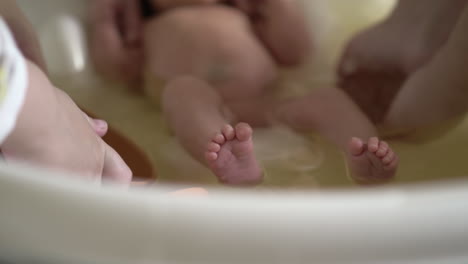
[46, 218]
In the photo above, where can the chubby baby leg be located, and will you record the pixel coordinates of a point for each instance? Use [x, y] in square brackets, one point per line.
[198, 118]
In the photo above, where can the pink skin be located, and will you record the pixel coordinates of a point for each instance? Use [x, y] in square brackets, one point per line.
[99, 126]
[371, 161]
[235, 70]
[199, 118]
[222, 63]
[52, 132]
[231, 157]
[230, 153]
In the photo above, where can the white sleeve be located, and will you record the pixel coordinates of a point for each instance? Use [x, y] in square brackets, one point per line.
[13, 81]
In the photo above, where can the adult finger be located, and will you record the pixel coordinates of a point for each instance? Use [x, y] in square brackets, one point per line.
[115, 169]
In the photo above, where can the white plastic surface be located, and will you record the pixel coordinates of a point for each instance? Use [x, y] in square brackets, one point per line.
[56, 220]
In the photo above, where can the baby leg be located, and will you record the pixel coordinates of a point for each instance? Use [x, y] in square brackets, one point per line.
[198, 118]
[333, 114]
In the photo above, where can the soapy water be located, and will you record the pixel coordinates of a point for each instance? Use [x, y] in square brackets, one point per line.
[276, 148]
[279, 145]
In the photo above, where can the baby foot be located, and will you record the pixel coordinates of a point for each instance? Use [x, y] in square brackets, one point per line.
[231, 158]
[374, 161]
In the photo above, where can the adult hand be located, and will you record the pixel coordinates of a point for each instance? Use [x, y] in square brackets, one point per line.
[52, 132]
